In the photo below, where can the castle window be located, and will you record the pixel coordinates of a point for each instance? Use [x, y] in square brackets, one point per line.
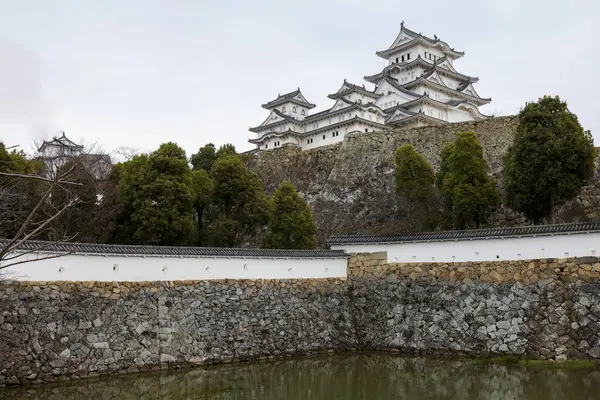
[402, 58]
[408, 56]
[396, 59]
[283, 109]
[323, 137]
[266, 146]
[294, 109]
[366, 129]
[303, 112]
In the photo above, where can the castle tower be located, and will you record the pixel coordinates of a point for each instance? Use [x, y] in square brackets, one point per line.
[418, 87]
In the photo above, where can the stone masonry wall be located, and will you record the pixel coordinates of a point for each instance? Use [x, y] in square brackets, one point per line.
[546, 309]
[350, 185]
[75, 330]
[540, 308]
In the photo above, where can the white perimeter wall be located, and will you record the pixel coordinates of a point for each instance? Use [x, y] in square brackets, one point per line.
[79, 267]
[558, 246]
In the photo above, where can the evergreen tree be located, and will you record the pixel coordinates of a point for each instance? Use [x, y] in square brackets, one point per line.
[226, 150]
[204, 158]
[240, 205]
[549, 161]
[292, 225]
[18, 197]
[415, 187]
[469, 193]
[156, 198]
[202, 190]
[414, 176]
[79, 221]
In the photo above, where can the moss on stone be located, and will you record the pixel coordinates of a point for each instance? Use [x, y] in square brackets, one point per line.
[542, 364]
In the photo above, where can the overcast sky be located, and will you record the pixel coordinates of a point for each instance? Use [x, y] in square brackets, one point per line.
[139, 73]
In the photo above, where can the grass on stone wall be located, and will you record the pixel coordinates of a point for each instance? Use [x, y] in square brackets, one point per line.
[543, 364]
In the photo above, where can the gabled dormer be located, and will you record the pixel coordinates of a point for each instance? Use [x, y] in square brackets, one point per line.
[293, 104]
[60, 146]
[408, 45]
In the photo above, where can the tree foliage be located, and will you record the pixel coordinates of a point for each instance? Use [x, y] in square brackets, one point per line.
[414, 176]
[202, 192]
[18, 197]
[469, 193]
[292, 225]
[226, 150]
[550, 159]
[240, 205]
[415, 187]
[156, 198]
[204, 158]
[79, 221]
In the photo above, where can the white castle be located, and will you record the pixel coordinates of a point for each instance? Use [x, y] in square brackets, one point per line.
[419, 87]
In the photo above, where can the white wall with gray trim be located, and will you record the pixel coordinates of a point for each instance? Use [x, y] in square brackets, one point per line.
[108, 268]
[492, 249]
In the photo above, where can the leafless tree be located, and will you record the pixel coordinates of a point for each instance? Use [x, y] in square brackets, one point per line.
[35, 222]
[126, 153]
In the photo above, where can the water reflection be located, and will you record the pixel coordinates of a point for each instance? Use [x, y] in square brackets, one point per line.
[355, 376]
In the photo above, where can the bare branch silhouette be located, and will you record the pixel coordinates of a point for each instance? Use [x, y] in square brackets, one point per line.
[38, 220]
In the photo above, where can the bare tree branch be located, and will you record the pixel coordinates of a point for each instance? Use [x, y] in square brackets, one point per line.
[35, 260]
[31, 228]
[40, 178]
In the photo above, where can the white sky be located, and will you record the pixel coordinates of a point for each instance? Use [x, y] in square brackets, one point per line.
[139, 73]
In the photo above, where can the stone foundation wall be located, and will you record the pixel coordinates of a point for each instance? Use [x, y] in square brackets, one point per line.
[75, 330]
[350, 185]
[540, 308]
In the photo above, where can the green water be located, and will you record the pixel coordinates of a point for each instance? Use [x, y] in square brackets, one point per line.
[354, 376]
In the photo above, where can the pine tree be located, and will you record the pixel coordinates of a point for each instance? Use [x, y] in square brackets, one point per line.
[202, 190]
[204, 158]
[240, 206]
[292, 225]
[415, 187]
[156, 198]
[469, 193]
[550, 159]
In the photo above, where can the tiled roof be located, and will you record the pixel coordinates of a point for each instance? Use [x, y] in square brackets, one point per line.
[289, 97]
[173, 251]
[416, 37]
[63, 141]
[473, 234]
[94, 158]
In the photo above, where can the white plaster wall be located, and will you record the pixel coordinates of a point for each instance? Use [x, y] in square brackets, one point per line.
[450, 82]
[408, 75]
[432, 111]
[329, 138]
[559, 246]
[283, 140]
[76, 267]
[432, 50]
[459, 115]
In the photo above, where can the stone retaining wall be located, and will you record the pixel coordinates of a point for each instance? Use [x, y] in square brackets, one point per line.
[350, 185]
[75, 330]
[540, 308]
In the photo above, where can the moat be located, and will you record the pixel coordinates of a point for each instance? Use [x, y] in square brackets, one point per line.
[349, 376]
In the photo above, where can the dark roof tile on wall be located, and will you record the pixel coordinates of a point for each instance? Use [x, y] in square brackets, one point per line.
[173, 251]
[472, 234]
